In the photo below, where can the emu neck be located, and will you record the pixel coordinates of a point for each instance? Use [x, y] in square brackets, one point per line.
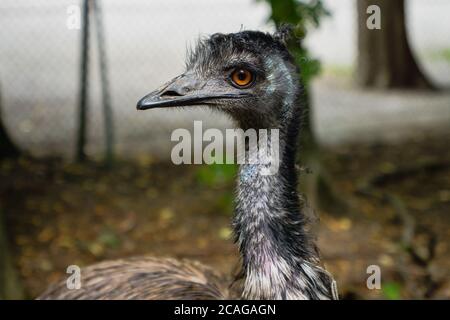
[279, 259]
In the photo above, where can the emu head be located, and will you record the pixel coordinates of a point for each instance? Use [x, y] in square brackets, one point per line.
[249, 75]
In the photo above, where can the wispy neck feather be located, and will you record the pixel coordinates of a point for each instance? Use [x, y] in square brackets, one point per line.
[279, 258]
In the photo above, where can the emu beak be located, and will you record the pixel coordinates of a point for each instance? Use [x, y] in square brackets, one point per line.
[185, 90]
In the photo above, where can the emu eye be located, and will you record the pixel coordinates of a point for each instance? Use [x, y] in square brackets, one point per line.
[242, 78]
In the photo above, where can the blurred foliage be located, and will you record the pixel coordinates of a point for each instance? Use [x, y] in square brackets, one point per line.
[340, 71]
[60, 213]
[446, 54]
[302, 15]
[216, 174]
[392, 290]
[225, 203]
[109, 238]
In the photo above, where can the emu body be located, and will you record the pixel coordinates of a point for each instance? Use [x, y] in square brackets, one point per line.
[251, 77]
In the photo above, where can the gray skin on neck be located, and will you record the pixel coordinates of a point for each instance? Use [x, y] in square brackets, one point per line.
[279, 258]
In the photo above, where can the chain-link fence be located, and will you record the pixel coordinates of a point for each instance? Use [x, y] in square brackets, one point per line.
[145, 43]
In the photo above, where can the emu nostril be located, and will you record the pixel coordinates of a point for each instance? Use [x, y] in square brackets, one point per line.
[171, 93]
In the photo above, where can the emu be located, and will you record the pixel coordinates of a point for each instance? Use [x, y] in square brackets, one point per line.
[251, 77]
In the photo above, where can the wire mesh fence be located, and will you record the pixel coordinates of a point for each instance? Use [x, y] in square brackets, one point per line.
[144, 44]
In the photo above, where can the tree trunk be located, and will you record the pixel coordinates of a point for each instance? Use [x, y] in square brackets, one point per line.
[10, 287]
[385, 59]
[316, 183]
[106, 97]
[310, 156]
[83, 98]
[7, 147]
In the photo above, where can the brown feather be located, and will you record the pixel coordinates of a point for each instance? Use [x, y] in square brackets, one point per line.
[144, 278]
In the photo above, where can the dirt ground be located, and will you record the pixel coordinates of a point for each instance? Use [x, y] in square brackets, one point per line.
[398, 198]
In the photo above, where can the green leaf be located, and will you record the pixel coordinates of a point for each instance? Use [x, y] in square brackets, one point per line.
[392, 290]
[108, 238]
[216, 174]
[304, 15]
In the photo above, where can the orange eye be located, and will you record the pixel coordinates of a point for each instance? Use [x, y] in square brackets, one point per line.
[241, 77]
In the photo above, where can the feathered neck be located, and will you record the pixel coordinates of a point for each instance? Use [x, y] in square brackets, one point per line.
[279, 257]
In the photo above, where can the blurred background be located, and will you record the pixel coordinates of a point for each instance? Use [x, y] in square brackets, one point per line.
[84, 177]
